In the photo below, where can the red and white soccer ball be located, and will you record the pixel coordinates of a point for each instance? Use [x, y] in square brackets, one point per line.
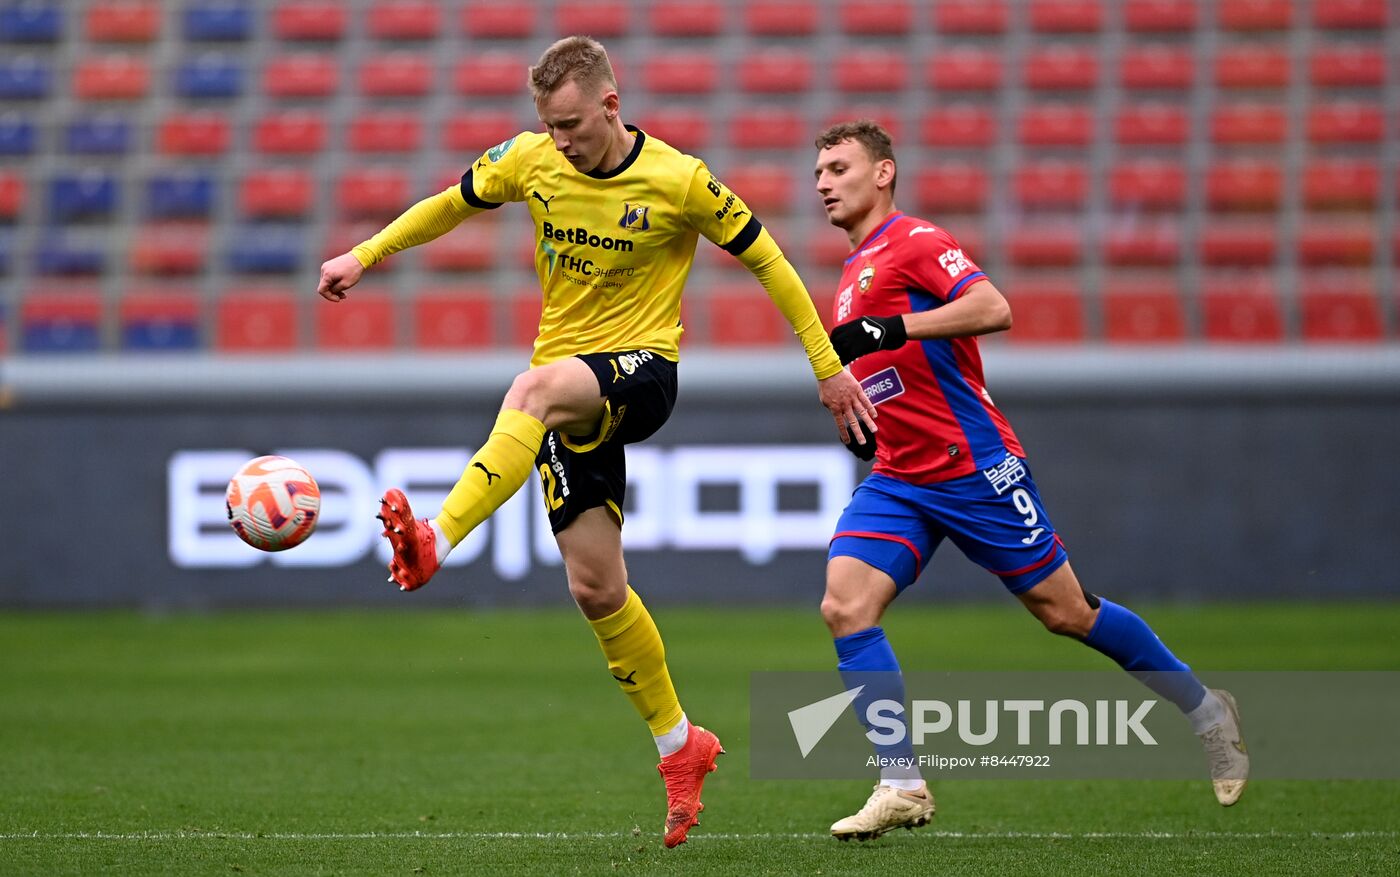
[273, 503]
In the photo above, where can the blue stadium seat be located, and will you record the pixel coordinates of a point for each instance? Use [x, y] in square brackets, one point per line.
[61, 255]
[24, 78]
[159, 321]
[180, 196]
[61, 322]
[209, 76]
[31, 23]
[102, 134]
[86, 195]
[265, 249]
[219, 20]
[16, 135]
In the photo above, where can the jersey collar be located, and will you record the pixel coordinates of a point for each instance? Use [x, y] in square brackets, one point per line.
[626, 162]
[870, 238]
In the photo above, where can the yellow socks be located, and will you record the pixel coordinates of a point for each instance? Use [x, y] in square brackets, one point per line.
[494, 474]
[637, 660]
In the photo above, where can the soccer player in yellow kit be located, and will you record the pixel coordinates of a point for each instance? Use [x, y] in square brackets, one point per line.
[617, 216]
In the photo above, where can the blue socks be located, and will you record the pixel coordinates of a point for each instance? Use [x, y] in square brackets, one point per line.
[1123, 636]
[865, 658]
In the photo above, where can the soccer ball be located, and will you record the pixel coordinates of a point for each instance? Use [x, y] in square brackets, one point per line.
[273, 503]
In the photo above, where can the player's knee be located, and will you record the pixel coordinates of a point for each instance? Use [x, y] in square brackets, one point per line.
[529, 392]
[844, 615]
[1073, 622]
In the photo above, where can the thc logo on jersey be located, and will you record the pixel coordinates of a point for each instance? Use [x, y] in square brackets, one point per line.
[500, 149]
[634, 218]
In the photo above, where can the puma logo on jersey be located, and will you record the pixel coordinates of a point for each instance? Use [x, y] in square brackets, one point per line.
[543, 200]
[490, 476]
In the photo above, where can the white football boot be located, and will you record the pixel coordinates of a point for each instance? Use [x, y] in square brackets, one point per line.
[1229, 758]
[887, 809]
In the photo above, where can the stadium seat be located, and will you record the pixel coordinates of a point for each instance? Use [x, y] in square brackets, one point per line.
[769, 128]
[826, 250]
[31, 23]
[859, 72]
[686, 18]
[1045, 245]
[1051, 184]
[1157, 66]
[971, 16]
[61, 254]
[273, 194]
[1239, 243]
[965, 69]
[12, 192]
[218, 20]
[1148, 184]
[385, 131]
[1347, 65]
[491, 73]
[398, 74]
[101, 134]
[742, 316]
[766, 188]
[404, 19]
[200, 133]
[24, 78]
[1244, 184]
[780, 18]
[1133, 243]
[1231, 314]
[209, 76]
[523, 316]
[952, 187]
[1345, 122]
[1061, 67]
[290, 133]
[256, 320]
[1159, 16]
[686, 130]
[61, 322]
[1350, 14]
[90, 194]
[681, 73]
[597, 18]
[1152, 124]
[301, 75]
[1341, 183]
[1254, 15]
[888, 117]
[964, 125]
[1045, 311]
[265, 248]
[180, 195]
[1253, 66]
[1340, 311]
[876, 17]
[1331, 240]
[123, 21]
[1066, 16]
[451, 319]
[364, 321]
[373, 193]
[112, 77]
[1249, 124]
[1056, 125]
[310, 20]
[498, 19]
[17, 134]
[1143, 313]
[775, 73]
[471, 246]
[156, 321]
[473, 132]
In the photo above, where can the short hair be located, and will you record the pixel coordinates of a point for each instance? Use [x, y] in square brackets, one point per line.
[578, 59]
[868, 133]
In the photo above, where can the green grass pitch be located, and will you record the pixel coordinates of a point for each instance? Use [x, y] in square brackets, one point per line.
[458, 742]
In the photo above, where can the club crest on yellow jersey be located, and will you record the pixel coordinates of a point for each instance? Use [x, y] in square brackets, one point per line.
[634, 218]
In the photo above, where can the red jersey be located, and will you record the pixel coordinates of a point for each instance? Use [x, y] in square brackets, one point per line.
[937, 421]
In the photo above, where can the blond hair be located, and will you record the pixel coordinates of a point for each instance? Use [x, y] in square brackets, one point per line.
[581, 60]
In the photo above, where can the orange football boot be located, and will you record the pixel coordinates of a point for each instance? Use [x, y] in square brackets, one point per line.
[413, 540]
[684, 772]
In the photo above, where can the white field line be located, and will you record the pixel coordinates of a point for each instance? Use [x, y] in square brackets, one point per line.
[701, 836]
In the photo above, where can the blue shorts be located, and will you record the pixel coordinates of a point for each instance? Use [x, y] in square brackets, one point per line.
[995, 518]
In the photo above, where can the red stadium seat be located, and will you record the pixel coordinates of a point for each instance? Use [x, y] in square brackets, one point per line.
[385, 131]
[1253, 15]
[1336, 241]
[499, 19]
[1066, 16]
[1253, 66]
[1157, 66]
[1048, 311]
[686, 130]
[157, 319]
[1347, 64]
[1164, 16]
[597, 18]
[491, 73]
[400, 74]
[966, 125]
[275, 194]
[476, 131]
[169, 249]
[1350, 14]
[1047, 245]
[744, 317]
[952, 187]
[449, 319]
[310, 20]
[1061, 67]
[290, 133]
[1152, 124]
[373, 193]
[775, 73]
[681, 73]
[202, 133]
[123, 21]
[876, 17]
[301, 75]
[886, 117]
[1246, 184]
[404, 19]
[965, 69]
[766, 188]
[1143, 313]
[1051, 184]
[364, 321]
[780, 18]
[1347, 122]
[864, 72]
[113, 77]
[828, 250]
[687, 18]
[524, 317]
[256, 320]
[11, 194]
[769, 129]
[1149, 184]
[1056, 125]
[342, 236]
[971, 16]
[1234, 315]
[67, 320]
[1340, 311]
[471, 246]
[1144, 244]
[1235, 243]
[1251, 123]
[1341, 183]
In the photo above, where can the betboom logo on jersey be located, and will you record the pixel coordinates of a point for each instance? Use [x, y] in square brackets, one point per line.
[665, 487]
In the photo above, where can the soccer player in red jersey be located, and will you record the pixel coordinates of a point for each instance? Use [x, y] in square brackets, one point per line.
[909, 307]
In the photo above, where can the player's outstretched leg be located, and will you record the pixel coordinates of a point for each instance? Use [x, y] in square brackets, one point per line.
[413, 540]
[1224, 744]
[684, 772]
[888, 808]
